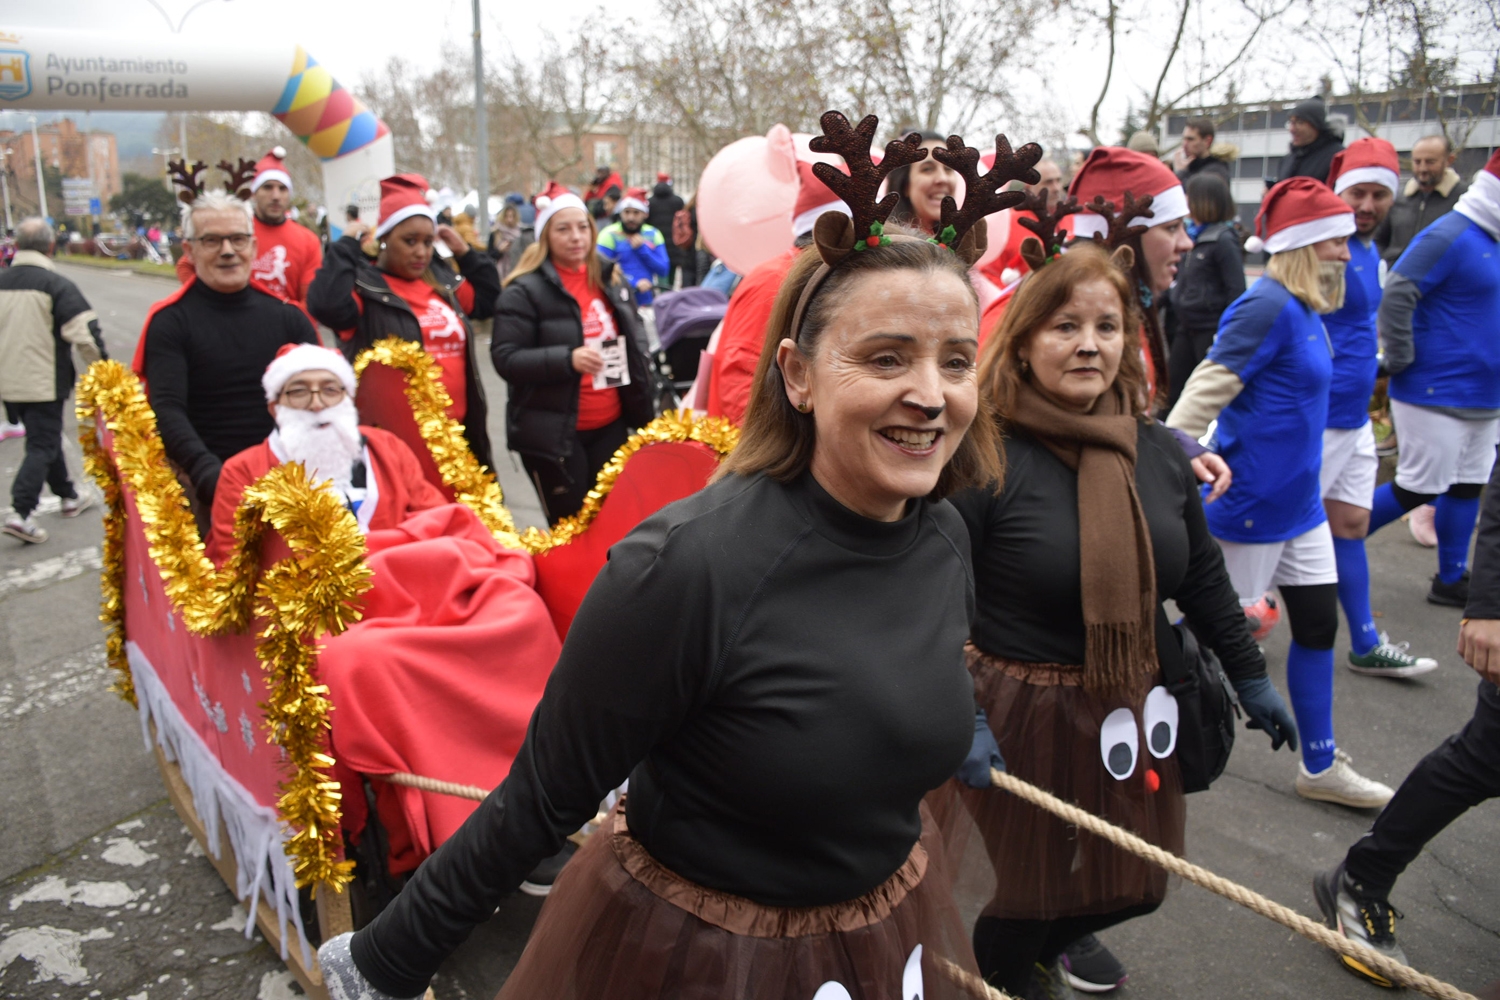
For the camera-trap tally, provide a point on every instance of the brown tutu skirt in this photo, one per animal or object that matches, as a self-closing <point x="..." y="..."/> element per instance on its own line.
<point x="619" y="925"/>
<point x="1051" y="734"/>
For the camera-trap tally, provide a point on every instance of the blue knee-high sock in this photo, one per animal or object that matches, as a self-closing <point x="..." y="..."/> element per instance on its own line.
<point x="1386" y="507"/>
<point x="1354" y="593"/>
<point x="1455" y="525"/>
<point x="1309" y="680"/>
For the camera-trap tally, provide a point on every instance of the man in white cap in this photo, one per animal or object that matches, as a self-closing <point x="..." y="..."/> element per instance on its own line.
<point x="638" y="249"/>
<point x="287" y="253"/>
<point x="310" y="393"/>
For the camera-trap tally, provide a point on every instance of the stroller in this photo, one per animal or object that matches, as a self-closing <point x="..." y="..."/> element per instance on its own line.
<point x="684" y="322"/>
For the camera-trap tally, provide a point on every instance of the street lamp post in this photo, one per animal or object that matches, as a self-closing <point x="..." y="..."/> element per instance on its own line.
<point x="5" y="186"/>
<point x="481" y="138"/>
<point x="41" y="188"/>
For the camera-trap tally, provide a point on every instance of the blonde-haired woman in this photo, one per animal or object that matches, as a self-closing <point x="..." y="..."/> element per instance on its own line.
<point x="1266" y="382"/>
<point x="561" y="329"/>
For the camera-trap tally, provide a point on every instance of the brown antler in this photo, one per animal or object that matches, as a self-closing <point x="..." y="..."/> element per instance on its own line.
<point x="1038" y="249"/>
<point x="861" y="184"/>
<point x="238" y="181"/>
<point x="189" y="180"/>
<point x="983" y="195"/>
<point x="1119" y="227"/>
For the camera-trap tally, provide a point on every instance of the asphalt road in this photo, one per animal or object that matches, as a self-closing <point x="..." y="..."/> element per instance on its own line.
<point x="103" y="894"/>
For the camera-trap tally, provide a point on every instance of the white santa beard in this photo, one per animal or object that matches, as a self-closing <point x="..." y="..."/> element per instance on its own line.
<point x="325" y="441"/>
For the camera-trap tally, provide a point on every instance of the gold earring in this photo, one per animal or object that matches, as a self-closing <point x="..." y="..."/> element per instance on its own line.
<point x="802" y="407"/>
<point x="1025" y="366"/>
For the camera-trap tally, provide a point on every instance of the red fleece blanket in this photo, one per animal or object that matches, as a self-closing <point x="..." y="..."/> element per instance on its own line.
<point x="441" y="675"/>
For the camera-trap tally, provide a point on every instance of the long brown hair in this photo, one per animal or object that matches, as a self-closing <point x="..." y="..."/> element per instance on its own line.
<point x="1043" y="293"/>
<point x="532" y="256"/>
<point x="778" y="439"/>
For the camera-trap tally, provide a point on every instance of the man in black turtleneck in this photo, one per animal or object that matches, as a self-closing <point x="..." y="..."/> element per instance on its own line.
<point x="206" y="347"/>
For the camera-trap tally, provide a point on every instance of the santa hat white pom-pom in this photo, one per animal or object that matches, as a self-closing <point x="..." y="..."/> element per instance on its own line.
<point x="279" y="152"/>
<point x="1254" y="244"/>
<point x="542" y="202"/>
<point x="432" y="196"/>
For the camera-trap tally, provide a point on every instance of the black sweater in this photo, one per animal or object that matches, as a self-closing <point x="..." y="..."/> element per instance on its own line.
<point x="782" y="680"/>
<point x="1026" y="556"/>
<point x="205" y="355"/>
<point x="1484" y="581"/>
<point x="1212" y="276"/>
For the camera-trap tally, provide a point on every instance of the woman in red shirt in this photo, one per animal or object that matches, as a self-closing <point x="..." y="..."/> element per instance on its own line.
<point x="567" y="341"/>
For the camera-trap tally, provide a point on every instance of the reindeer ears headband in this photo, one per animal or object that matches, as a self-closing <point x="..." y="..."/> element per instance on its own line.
<point x="190" y="181"/>
<point x="1048" y="241"/>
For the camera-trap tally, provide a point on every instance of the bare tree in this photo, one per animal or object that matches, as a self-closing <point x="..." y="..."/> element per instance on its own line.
<point x="429" y="114"/>
<point x="232" y="135"/>
<point x="556" y="101"/>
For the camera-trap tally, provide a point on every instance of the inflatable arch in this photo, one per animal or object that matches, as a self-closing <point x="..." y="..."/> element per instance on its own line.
<point x="50" y="69"/>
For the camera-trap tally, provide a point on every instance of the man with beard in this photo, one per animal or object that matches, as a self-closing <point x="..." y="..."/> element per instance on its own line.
<point x="638" y="249"/>
<point x="309" y="392"/>
<point x="1365" y="176"/>
<point x="1442" y="348"/>
<point x="287" y="253"/>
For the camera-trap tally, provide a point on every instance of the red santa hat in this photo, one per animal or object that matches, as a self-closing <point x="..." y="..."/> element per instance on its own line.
<point x="662" y="177"/>
<point x="402" y="197"/>
<point x="634" y="198"/>
<point x="272" y="167"/>
<point x="548" y="206"/>
<point x="1111" y="171"/>
<point x="1366" y="161"/>
<point x="294" y="359"/>
<point x="813" y="199"/>
<point x="1299" y="212"/>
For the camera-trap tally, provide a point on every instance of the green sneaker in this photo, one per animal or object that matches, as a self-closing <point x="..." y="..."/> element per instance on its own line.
<point x="1391" y="659"/>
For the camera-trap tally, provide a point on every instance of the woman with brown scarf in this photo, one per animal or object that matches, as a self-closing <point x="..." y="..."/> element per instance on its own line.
<point x="1099" y="521"/>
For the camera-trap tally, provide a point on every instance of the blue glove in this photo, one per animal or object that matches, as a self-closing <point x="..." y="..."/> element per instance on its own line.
<point x="1267" y="711"/>
<point x="984" y="753"/>
<point x="343" y="980"/>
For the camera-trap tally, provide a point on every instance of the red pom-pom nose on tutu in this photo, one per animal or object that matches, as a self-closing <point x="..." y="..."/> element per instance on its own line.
<point x="1153" y="780"/>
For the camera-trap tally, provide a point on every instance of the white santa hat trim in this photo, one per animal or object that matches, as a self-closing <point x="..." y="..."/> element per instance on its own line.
<point x="400" y="215"/>
<point x="546" y="209"/>
<point x="1481" y="203"/>
<point x="629" y="202"/>
<point x="1168" y="206"/>
<point x="271" y="175"/>
<point x="1366" y="175"/>
<point x="304" y="358"/>
<point x="803" y="224"/>
<point x="1305" y="234"/>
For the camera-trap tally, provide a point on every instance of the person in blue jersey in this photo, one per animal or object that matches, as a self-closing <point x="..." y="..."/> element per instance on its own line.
<point x="638" y="249"/>
<point x="1438" y="325"/>
<point x="1266" y="382"/>
<point x="1365" y="176"/>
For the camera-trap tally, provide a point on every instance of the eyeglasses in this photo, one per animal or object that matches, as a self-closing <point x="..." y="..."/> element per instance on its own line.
<point x="238" y="241"/>
<point x="299" y="397"/>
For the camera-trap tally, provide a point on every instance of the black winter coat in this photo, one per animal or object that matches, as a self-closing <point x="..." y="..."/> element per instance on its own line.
<point x="347" y="272"/>
<point x="1313" y="160"/>
<point x="1212" y="276"/>
<point x="662" y="208"/>
<point x="537" y="326"/>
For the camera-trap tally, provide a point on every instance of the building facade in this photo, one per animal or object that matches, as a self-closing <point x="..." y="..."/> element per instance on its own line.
<point x="73" y="153"/>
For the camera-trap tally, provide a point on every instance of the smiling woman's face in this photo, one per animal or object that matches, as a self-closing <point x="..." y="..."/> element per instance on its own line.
<point x="1075" y="354"/>
<point x="891" y="387"/>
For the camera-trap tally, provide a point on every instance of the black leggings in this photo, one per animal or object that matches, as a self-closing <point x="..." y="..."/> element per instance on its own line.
<point x="1458" y="491"/>
<point x="562" y="483"/>
<point x="1312" y="613"/>
<point x="1007" y="949"/>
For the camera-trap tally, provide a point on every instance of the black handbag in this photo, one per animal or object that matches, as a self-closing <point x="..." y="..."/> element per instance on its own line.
<point x="1206" y="704"/>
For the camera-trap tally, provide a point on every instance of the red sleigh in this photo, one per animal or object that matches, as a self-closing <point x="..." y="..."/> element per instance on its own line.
<point x="223" y="663"/>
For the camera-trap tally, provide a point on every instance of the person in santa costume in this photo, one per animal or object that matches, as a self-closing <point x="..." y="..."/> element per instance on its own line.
<point x="1009" y="266"/>
<point x="1365" y="175"/>
<point x="1442" y="347"/>
<point x="736" y="348"/>
<point x="1266" y="382"/>
<point x="287" y="254"/>
<point x="309" y="391"/>
<point x="204" y="347"/>
<point x="411" y="293"/>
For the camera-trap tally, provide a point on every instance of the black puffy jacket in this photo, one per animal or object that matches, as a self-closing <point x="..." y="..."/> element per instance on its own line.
<point x="537" y="327"/>
<point x="347" y="272"/>
<point x="1212" y="276"/>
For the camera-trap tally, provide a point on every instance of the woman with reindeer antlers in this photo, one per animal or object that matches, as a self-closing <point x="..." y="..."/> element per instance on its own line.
<point x="776" y="663"/>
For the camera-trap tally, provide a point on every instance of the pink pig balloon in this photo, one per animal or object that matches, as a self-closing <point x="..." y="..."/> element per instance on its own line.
<point x="745" y="199"/>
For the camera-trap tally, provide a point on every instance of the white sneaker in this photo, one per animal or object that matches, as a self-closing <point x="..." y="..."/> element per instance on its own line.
<point x="24" y="529"/>
<point x="77" y="505"/>
<point x="8" y="431"/>
<point x="1340" y="783"/>
<point x="1422" y="523"/>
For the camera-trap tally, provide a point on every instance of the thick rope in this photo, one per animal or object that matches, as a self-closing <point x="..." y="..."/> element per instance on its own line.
<point x="434" y="785"/>
<point x="968" y="982"/>
<point x="1392" y="970"/>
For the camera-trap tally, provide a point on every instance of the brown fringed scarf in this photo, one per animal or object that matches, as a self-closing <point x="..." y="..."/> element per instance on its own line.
<point x="1118" y="578"/>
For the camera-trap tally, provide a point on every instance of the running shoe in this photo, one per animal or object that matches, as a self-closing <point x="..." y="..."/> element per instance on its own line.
<point x="1359" y="916"/>
<point x="1449" y="595"/>
<point x="1050" y="982"/>
<point x="539" y="882"/>
<point x="73" y="506"/>
<point x="24" y="529"/>
<point x="1391" y="659"/>
<point x="1263" y="616"/>
<point x="1422" y="523"/>
<point x="8" y="431"/>
<point x="1091" y="967"/>
<point x="1341" y="784"/>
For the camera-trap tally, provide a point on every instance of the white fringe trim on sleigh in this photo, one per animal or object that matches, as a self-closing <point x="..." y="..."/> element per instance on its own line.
<point x="262" y="868"/>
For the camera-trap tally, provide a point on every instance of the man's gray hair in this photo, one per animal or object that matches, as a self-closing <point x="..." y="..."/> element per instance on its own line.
<point x="215" y="201"/>
<point x="35" y="234"/>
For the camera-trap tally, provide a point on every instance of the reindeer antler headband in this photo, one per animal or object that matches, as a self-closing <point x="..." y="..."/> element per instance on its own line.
<point x="190" y="181"/>
<point x="837" y="235"/>
<point x="240" y="177"/>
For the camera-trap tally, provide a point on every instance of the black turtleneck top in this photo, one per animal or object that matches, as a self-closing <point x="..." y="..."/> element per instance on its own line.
<point x="782" y="681"/>
<point x="205" y="355"/>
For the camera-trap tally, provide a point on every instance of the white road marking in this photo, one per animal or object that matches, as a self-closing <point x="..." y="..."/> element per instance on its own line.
<point x="45" y="572"/>
<point x="124" y="851"/>
<point x="54" y="952"/>
<point x="278" y="986"/>
<point x="56" y="890"/>
<point x="56" y="684"/>
<point x="234" y="922"/>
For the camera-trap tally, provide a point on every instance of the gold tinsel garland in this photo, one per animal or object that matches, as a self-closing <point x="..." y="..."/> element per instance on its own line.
<point x="303" y="597"/>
